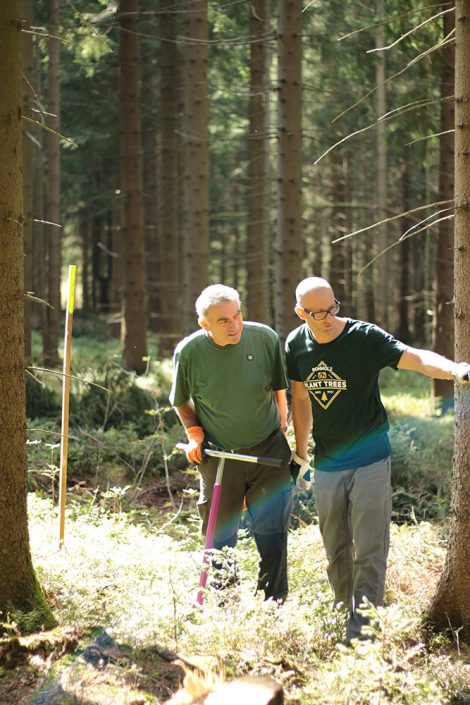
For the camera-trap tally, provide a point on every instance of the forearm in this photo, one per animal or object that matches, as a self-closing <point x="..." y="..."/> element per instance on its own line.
<point x="281" y="400"/>
<point x="302" y="420"/>
<point x="187" y="415"/>
<point x="428" y="363"/>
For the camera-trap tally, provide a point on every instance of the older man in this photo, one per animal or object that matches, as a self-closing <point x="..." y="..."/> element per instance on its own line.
<point x="334" y="363"/>
<point x="229" y="392"/>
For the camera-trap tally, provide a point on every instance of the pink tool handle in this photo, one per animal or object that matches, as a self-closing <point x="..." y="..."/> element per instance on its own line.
<point x="209" y="541"/>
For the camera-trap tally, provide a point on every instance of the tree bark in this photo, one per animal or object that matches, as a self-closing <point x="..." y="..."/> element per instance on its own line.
<point x="403" y="328"/>
<point x="28" y="169"/>
<point x="339" y="251"/>
<point x="196" y="240"/>
<point x="19" y="590"/>
<point x="258" y="284"/>
<point x="51" y="338"/>
<point x="134" y="338"/>
<point x="168" y="180"/>
<point x="383" y="264"/>
<point x="451" y="604"/>
<point x="443" y="332"/>
<point x="289" y="249"/>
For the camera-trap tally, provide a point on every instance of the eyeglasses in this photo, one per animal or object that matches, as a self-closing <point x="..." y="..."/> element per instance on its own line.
<point x="323" y="313"/>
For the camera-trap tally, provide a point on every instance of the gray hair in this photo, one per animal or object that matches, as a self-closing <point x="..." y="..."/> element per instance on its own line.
<point x="214" y="295"/>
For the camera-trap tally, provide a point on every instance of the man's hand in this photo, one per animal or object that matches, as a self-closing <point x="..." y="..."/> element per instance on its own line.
<point x="300" y="472"/>
<point x="194" y="452"/>
<point x="462" y="373"/>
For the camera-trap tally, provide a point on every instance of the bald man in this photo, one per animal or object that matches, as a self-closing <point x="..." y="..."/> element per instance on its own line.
<point x="334" y="364"/>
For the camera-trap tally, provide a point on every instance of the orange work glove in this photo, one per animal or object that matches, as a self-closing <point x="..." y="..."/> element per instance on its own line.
<point x="195" y="436"/>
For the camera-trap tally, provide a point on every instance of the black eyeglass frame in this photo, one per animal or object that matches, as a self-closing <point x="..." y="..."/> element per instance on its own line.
<point x="323" y="311"/>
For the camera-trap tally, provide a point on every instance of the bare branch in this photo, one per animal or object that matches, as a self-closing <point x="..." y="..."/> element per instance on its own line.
<point x="402" y="239"/>
<point x="391" y="19"/>
<point x="404" y="214"/>
<point x="416" y="225"/>
<point x="436" y="47"/>
<point x="407" y="34"/>
<point x="308" y="5"/>
<point x="388" y="116"/>
<point x="46" y="35"/>
<point x="427" y="137"/>
<point x="63" y="374"/>
<point x="49" y="129"/>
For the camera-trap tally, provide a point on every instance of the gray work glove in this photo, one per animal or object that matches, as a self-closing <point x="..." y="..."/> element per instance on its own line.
<point x="462" y="373"/>
<point x="300" y="472"/>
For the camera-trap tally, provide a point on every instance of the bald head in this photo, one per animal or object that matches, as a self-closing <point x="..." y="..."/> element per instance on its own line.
<point x="311" y="287"/>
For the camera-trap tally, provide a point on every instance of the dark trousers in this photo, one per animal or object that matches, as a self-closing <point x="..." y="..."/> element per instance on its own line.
<point x="268" y="495"/>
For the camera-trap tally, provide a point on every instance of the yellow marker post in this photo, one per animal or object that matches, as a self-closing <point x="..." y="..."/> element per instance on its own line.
<point x="64" y="436"/>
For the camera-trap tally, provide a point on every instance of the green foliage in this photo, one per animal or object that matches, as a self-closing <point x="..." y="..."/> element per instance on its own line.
<point x="41" y="400"/>
<point x="138" y="583"/>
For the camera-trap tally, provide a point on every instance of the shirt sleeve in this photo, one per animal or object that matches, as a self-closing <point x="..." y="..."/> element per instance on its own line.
<point x="279" y="371"/>
<point x="389" y="348"/>
<point x="179" y="393"/>
<point x="292" y="369"/>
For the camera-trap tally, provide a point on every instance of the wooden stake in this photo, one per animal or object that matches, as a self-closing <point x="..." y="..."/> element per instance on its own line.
<point x="64" y="437"/>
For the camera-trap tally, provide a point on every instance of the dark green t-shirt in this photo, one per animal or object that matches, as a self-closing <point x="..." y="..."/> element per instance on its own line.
<point x="350" y="423"/>
<point x="231" y="386"/>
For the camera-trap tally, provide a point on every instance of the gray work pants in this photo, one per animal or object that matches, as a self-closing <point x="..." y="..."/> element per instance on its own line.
<point x="354" y="511"/>
<point x="268" y="496"/>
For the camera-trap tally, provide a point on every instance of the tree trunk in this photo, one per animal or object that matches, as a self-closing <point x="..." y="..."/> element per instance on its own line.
<point x="443" y="332"/>
<point x="403" y="328"/>
<point x="196" y="242"/>
<point x="134" y="325"/>
<point x="51" y="338"/>
<point x="85" y="238"/>
<point x="19" y="590"/>
<point x="451" y="604"/>
<point x="152" y="246"/>
<point x="168" y="181"/>
<point x="257" y="250"/>
<point x="28" y="169"/>
<point x="383" y="264"/>
<point x="339" y="250"/>
<point x="289" y="250"/>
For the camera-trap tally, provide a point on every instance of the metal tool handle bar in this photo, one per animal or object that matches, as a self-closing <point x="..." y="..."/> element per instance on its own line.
<point x="262" y="460"/>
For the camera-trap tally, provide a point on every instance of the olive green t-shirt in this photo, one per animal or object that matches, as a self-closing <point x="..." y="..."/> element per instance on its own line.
<point x="350" y="423"/>
<point x="231" y="386"/>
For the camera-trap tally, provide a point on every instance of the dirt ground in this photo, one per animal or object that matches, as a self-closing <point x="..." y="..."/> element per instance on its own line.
<point x="66" y="667"/>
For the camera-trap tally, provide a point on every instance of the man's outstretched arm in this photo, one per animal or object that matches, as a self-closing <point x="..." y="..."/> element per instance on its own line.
<point x="431" y="364"/>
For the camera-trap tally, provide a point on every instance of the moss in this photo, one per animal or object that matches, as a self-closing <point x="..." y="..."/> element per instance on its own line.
<point x="31" y="614"/>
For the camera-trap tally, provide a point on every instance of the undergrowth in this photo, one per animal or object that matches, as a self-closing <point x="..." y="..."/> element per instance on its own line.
<point x="139" y="583"/>
<point x="132" y="570"/>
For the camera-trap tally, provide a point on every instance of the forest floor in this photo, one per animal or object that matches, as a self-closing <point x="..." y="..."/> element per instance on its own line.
<point x="68" y="667"/>
<point x="123" y="584"/>
<point x="74" y="666"/>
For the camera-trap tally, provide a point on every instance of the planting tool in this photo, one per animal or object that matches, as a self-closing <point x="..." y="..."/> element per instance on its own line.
<point x="222" y="456"/>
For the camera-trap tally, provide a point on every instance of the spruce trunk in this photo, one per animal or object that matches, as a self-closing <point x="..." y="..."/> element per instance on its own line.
<point x="19" y="590"/>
